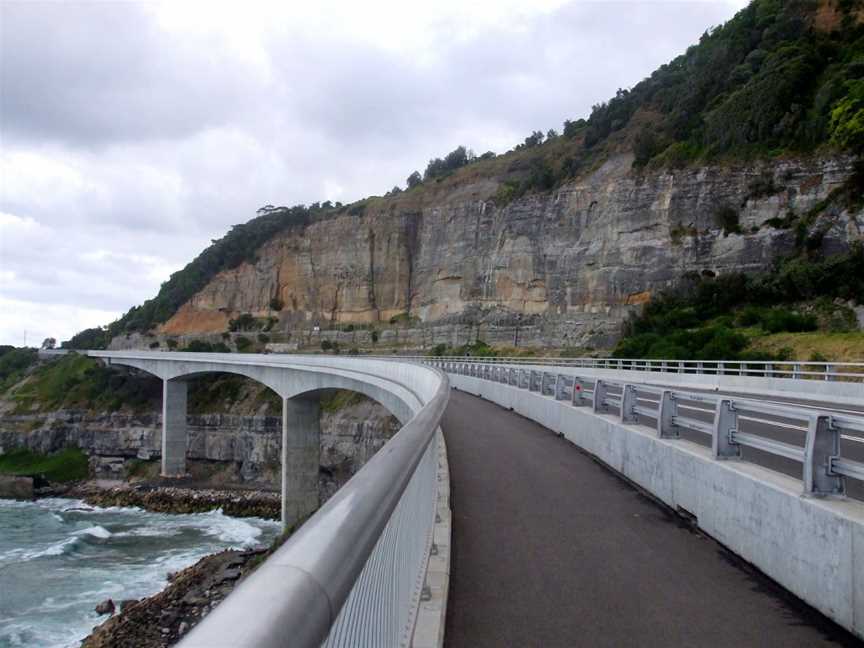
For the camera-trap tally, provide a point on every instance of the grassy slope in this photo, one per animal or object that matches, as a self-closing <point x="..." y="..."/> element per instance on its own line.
<point x="839" y="347"/>
<point x="67" y="465"/>
<point x="76" y="381"/>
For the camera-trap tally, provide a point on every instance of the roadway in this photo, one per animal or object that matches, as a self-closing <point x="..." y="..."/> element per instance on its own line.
<point x="552" y="549"/>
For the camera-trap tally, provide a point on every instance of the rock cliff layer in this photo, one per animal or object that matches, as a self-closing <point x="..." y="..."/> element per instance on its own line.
<point x="241" y="449"/>
<point x="572" y="262"/>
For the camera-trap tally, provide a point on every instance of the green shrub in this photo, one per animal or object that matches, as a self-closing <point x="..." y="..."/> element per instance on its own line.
<point x="14" y="363"/>
<point x="438" y="350"/>
<point x="326" y="345"/>
<point x="244" y="322"/>
<point x="244" y="344"/>
<point x="199" y="346"/>
<point x="778" y="320"/>
<point x="154" y="344"/>
<point x="92" y="338"/>
<point x="727" y="218"/>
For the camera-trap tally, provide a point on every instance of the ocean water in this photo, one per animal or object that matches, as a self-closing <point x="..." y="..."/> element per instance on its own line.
<point x="60" y="557"/>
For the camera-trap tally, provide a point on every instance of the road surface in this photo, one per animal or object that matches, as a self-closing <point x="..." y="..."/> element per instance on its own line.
<point x="551" y="549"/>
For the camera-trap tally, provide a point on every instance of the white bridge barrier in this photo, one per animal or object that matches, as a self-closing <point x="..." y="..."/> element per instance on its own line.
<point x="355" y="572"/>
<point x="801" y="532"/>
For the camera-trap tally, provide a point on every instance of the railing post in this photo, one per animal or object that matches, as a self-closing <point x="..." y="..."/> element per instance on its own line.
<point x="628" y="404"/>
<point x="578" y="391"/>
<point x="666" y="428"/>
<point x="700" y="367"/>
<point x="725" y="425"/>
<point x="560" y="384"/>
<point x="599" y="400"/>
<point x="796" y="370"/>
<point x="829" y="369"/>
<point x="822" y="445"/>
<point x="768" y="370"/>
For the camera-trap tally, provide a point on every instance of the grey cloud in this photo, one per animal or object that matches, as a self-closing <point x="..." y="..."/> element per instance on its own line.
<point x="92" y="73"/>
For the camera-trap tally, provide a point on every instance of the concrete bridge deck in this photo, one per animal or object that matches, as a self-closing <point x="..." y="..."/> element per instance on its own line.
<point x="552" y="549"/>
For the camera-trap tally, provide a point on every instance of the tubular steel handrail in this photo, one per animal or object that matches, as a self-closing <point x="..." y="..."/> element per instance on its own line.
<point x="795" y="369"/>
<point x="824" y="469"/>
<point x="345" y="557"/>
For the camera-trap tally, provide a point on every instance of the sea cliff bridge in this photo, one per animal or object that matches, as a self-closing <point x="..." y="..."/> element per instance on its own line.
<point x="568" y="481"/>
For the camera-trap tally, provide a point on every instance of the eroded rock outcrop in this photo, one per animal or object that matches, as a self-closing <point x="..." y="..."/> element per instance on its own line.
<point x="223" y="448"/>
<point x="572" y="262"/>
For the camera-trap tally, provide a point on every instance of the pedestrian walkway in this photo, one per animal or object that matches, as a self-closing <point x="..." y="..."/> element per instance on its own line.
<point x="552" y="549"/>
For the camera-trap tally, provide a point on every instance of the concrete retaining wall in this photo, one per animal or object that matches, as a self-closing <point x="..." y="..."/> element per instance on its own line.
<point x="812" y="547"/>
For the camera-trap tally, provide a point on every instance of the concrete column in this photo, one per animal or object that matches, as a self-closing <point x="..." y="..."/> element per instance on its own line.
<point x="174" y="428"/>
<point x="301" y="449"/>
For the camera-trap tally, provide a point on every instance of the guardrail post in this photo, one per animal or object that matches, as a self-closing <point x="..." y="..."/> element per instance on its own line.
<point x="628" y="404"/>
<point x="829" y="369"/>
<point x="796" y="371"/>
<point x="822" y="445"/>
<point x="599" y="400"/>
<point x="666" y="428"/>
<point x="578" y="392"/>
<point x="725" y="426"/>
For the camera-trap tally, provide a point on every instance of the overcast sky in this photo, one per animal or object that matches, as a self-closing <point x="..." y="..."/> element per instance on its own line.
<point x="131" y="134"/>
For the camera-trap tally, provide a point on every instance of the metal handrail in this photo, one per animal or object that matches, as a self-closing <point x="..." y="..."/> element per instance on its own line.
<point x="794" y="369"/>
<point x="301" y="588"/>
<point x="824" y="469"/>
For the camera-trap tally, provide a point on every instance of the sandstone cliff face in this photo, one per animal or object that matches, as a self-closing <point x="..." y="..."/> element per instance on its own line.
<point x="572" y="262"/>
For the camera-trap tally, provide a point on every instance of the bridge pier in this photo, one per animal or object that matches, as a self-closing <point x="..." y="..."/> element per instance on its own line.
<point x="174" y="433"/>
<point x="300" y="458"/>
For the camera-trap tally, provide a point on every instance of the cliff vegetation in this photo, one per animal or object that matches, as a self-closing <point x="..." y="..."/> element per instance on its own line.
<point x="741" y="317"/>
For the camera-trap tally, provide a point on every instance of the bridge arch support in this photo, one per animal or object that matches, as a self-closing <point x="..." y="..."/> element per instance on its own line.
<point x="299" y="386"/>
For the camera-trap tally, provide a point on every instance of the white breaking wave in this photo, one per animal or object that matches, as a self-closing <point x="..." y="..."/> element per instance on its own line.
<point x="96" y="532"/>
<point x="136" y="550"/>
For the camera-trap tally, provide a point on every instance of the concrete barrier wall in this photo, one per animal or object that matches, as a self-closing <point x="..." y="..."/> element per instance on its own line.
<point x="812" y="547"/>
<point x="850" y="393"/>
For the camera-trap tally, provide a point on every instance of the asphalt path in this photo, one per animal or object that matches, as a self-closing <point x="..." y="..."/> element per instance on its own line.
<point x="552" y="549"/>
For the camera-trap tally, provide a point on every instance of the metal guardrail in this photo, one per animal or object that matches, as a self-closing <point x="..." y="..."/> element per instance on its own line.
<point x="349" y="576"/>
<point x="824" y="470"/>
<point x="798" y="370"/>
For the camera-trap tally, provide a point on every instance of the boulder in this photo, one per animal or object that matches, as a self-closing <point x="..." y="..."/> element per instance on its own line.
<point x="105" y="607"/>
<point x="15" y="487"/>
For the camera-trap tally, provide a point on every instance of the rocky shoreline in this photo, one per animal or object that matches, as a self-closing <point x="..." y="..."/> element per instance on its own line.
<point x="163" y="619"/>
<point x="175" y="499"/>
